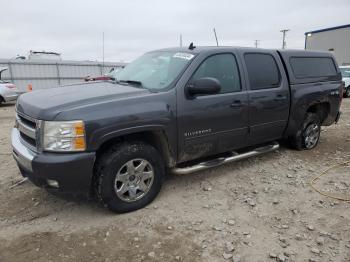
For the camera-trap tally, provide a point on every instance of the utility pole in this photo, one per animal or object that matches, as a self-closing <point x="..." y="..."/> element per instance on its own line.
<point x="103" y="52"/>
<point x="256" y="43"/>
<point x="216" y="37"/>
<point x="284" y="32"/>
<point x="180" y="40"/>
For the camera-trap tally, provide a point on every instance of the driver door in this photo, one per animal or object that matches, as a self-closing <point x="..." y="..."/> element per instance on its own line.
<point x="216" y="123"/>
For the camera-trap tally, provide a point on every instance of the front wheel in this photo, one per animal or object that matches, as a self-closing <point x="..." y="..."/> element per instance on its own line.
<point x="347" y="92"/>
<point x="129" y="176"/>
<point x="308" y="135"/>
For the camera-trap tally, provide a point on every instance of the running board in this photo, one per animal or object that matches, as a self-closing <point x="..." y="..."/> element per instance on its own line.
<point x="223" y="160"/>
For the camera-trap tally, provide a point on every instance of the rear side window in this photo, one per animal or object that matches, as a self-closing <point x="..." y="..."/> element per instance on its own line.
<point x="308" y="67"/>
<point x="262" y="71"/>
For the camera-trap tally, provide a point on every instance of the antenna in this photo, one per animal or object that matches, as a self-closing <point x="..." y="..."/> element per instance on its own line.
<point x="180" y="40"/>
<point x="284" y="44"/>
<point x="191" y="47"/>
<point x="216" y="37"/>
<point x="256" y="43"/>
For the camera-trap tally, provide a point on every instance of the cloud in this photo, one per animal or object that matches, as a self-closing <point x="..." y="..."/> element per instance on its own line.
<point x="74" y="28"/>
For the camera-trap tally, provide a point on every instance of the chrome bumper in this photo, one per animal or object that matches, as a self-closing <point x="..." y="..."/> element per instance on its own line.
<point x="21" y="154"/>
<point x="11" y="97"/>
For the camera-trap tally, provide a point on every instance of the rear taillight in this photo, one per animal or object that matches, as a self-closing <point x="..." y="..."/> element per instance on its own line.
<point x="11" y="86"/>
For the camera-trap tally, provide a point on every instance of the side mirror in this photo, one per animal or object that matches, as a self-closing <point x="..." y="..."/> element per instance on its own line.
<point x="204" y="86"/>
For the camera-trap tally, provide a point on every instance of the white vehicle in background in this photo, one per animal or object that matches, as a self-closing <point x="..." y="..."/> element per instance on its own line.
<point x="43" y="55"/>
<point x="345" y="72"/>
<point x="8" y="91"/>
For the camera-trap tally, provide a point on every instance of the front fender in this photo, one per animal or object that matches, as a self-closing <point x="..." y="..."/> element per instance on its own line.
<point x="98" y="140"/>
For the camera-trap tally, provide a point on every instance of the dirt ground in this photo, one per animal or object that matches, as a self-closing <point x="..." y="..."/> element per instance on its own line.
<point x="259" y="209"/>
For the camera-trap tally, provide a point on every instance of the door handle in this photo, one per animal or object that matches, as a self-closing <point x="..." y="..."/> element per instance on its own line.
<point x="236" y="104"/>
<point x="280" y="98"/>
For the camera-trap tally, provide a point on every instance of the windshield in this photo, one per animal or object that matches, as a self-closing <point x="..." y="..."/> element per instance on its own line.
<point x="155" y="70"/>
<point x="345" y="72"/>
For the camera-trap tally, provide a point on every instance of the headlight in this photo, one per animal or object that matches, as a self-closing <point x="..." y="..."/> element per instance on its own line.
<point x="62" y="136"/>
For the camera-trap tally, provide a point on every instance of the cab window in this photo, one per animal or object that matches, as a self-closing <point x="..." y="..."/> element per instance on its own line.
<point x="262" y="71"/>
<point x="224" y="68"/>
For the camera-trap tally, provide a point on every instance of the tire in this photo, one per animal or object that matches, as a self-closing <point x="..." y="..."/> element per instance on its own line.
<point x="308" y="135"/>
<point x="347" y="92"/>
<point x="129" y="176"/>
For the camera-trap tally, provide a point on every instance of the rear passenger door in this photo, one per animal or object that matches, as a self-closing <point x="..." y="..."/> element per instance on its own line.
<point x="269" y="97"/>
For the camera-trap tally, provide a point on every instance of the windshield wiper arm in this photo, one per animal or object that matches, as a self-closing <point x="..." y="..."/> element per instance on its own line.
<point x="131" y="82"/>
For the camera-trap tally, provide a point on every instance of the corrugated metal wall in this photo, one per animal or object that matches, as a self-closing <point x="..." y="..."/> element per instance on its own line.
<point x="337" y="41"/>
<point x="42" y="74"/>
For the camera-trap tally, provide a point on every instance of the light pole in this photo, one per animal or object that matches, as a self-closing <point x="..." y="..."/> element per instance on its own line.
<point x="256" y="43"/>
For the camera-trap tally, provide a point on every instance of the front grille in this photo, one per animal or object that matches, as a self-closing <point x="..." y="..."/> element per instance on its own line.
<point x="27" y="127"/>
<point x="28" y="122"/>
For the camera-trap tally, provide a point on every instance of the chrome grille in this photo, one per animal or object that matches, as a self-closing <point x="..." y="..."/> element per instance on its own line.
<point x="27" y="127"/>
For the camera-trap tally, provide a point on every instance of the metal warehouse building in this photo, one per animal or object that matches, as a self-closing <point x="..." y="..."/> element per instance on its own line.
<point x="334" y="39"/>
<point x="40" y="74"/>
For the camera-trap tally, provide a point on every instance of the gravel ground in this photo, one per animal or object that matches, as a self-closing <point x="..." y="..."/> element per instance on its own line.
<point x="259" y="209"/>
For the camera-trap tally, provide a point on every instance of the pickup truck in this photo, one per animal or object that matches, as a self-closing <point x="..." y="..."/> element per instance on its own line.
<point x="176" y="110"/>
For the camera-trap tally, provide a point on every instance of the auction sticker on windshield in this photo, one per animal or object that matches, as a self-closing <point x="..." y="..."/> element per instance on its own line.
<point x="186" y="56"/>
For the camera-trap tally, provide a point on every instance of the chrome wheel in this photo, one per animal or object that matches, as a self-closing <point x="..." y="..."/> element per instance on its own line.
<point x="133" y="180"/>
<point x="311" y="135"/>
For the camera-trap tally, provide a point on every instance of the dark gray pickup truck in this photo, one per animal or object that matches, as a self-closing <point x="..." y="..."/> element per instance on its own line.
<point x="178" y="110"/>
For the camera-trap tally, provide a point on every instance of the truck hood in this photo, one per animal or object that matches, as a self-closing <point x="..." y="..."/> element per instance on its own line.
<point x="47" y="104"/>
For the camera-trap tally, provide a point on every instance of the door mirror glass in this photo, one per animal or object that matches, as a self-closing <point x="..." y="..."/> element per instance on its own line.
<point x="204" y="86"/>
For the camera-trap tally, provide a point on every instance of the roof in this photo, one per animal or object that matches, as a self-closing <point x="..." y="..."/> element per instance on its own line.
<point x="328" y="29"/>
<point x="200" y="49"/>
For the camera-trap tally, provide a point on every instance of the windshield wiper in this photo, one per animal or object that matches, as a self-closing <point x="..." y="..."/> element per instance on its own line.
<point x="131" y="82"/>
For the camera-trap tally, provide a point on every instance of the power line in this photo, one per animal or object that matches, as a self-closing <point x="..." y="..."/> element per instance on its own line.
<point x="284" y="32"/>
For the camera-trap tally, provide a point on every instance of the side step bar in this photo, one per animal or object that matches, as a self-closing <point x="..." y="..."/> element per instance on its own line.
<point x="223" y="160"/>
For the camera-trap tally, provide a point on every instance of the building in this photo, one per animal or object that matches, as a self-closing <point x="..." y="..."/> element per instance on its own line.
<point x="34" y="74"/>
<point x="334" y="39"/>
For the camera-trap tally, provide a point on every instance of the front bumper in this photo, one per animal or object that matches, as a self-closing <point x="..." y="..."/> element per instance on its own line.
<point x="10" y="96"/>
<point x="72" y="171"/>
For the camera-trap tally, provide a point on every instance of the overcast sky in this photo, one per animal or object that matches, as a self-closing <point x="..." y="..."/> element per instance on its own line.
<point x="74" y="28"/>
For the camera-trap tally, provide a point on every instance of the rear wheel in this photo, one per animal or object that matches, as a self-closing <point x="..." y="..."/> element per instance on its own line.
<point x="308" y="135"/>
<point x="2" y="100"/>
<point x="129" y="176"/>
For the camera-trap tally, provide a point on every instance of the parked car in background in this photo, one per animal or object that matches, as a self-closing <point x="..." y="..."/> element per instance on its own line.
<point x="345" y="72"/>
<point x="8" y="91"/>
<point x="98" y="78"/>
<point x="43" y="55"/>
<point x="111" y="75"/>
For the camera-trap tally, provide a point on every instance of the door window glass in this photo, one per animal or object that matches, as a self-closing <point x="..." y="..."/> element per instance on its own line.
<point x="262" y="71"/>
<point x="224" y="68"/>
